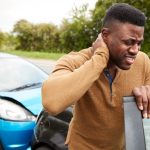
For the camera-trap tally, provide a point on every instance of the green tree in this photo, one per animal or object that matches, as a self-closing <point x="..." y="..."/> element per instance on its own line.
<point x="2" y="39"/>
<point x="36" y="37"/>
<point x="23" y="30"/>
<point x="7" y="41"/>
<point x="44" y="37"/>
<point x="75" y="33"/>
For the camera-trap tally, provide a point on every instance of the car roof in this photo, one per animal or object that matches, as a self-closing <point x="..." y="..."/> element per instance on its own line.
<point x="6" y="55"/>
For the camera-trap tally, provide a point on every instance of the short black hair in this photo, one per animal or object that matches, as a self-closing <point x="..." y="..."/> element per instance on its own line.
<point x="124" y="13"/>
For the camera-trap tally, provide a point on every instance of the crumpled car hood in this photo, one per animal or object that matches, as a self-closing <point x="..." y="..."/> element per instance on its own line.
<point x="31" y="98"/>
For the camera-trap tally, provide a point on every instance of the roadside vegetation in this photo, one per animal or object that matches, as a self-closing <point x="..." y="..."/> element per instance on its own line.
<point x="47" y="40"/>
<point x="36" y="55"/>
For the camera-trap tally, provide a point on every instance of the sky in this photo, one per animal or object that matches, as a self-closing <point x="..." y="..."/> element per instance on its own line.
<point x="37" y="11"/>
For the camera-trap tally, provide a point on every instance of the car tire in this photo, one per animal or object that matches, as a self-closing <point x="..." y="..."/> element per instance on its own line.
<point x="43" y="148"/>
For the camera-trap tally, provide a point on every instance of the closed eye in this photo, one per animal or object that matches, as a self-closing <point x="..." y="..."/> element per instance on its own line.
<point x="132" y="42"/>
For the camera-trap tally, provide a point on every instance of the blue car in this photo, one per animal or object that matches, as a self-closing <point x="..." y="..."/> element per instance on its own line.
<point x="20" y="101"/>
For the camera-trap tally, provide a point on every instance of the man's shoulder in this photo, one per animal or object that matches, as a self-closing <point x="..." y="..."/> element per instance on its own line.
<point x="141" y="55"/>
<point x="87" y="52"/>
<point x="83" y="54"/>
<point x="74" y="59"/>
<point x="142" y="59"/>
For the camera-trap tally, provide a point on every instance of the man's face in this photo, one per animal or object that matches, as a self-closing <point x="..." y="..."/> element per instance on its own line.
<point x="124" y="42"/>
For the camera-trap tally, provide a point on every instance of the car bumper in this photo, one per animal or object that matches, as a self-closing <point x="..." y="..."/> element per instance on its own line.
<point x="16" y="135"/>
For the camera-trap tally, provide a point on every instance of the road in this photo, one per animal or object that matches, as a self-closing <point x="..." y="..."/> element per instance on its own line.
<point x="46" y="65"/>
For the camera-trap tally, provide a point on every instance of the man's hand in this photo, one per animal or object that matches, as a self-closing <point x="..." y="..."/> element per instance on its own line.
<point x="142" y="95"/>
<point x="99" y="43"/>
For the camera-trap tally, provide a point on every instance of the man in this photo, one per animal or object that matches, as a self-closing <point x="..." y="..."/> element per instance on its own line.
<point x="95" y="80"/>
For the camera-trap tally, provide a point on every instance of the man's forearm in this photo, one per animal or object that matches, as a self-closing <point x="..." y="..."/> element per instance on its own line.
<point x="61" y="91"/>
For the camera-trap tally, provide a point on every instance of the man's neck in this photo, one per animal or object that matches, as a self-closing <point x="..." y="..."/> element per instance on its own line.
<point x="112" y="69"/>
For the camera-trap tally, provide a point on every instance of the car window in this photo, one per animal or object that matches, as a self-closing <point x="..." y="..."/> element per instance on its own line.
<point x="16" y="72"/>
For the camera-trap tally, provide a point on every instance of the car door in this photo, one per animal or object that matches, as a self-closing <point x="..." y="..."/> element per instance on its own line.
<point x="137" y="130"/>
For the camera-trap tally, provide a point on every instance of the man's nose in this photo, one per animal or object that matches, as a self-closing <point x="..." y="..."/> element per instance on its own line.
<point x="134" y="49"/>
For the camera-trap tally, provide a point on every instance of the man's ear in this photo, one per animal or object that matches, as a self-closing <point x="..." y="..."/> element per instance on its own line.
<point x="105" y="33"/>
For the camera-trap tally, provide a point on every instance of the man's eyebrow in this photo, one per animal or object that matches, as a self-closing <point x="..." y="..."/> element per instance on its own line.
<point x="138" y="41"/>
<point x="134" y="39"/>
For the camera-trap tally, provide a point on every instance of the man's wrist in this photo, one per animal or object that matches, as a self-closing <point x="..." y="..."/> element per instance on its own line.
<point x="102" y="51"/>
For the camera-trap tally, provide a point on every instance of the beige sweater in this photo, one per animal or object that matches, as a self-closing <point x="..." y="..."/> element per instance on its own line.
<point x="78" y="78"/>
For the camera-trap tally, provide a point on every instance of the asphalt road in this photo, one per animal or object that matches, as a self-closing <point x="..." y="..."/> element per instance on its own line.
<point x="46" y="65"/>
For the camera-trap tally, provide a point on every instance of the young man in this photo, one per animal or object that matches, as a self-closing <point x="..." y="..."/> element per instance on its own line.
<point x="95" y="80"/>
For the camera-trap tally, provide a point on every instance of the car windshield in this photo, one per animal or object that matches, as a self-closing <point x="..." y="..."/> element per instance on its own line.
<point x="16" y="72"/>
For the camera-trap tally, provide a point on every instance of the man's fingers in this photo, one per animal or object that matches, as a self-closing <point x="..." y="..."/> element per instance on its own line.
<point x="141" y="100"/>
<point x="98" y="43"/>
<point x="142" y="95"/>
<point x="100" y="35"/>
<point x="144" y="100"/>
<point x="145" y="106"/>
<point x="148" y="110"/>
<point x="148" y="98"/>
<point x="138" y="95"/>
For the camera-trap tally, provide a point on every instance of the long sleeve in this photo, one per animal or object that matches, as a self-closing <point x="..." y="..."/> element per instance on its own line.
<point x="65" y="86"/>
<point x="147" y="70"/>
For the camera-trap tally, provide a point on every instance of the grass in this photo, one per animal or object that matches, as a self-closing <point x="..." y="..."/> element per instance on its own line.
<point x="36" y="55"/>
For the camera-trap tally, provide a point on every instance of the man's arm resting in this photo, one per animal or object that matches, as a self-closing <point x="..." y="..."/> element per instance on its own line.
<point x="63" y="88"/>
<point x="142" y="95"/>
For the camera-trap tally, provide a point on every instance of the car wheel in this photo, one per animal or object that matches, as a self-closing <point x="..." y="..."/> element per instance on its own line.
<point x="43" y="148"/>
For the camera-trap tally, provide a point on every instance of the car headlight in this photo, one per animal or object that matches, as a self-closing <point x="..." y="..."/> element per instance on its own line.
<point x="14" y="112"/>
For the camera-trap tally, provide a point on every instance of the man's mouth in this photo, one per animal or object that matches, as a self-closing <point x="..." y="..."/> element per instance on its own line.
<point x="130" y="59"/>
